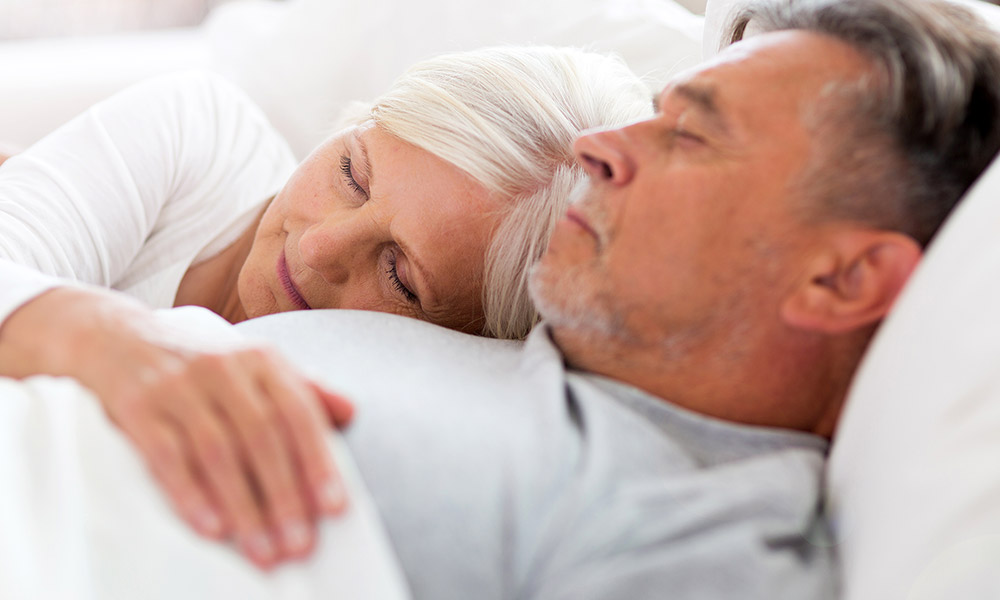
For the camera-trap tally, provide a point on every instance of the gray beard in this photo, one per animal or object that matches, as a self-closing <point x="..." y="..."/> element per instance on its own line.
<point x="563" y="303"/>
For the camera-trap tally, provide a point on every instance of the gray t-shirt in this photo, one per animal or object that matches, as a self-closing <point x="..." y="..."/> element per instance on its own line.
<point x="500" y="474"/>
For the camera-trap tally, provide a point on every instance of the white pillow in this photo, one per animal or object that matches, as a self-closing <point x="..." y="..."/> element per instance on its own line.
<point x="717" y="14"/>
<point x="305" y="60"/>
<point x="915" y="469"/>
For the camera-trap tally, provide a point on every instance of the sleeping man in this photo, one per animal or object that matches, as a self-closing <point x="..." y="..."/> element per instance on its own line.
<point x="706" y="302"/>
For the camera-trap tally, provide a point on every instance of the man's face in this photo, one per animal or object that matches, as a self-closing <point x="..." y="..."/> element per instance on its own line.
<point x="690" y="233"/>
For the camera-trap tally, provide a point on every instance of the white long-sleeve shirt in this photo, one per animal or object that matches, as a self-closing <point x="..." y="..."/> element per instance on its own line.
<point x="137" y="189"/>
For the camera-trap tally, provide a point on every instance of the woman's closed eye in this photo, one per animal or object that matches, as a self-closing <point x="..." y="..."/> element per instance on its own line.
<point x="390" y="266"/>
<point x="397" y="283"/>
<point x="348" y="173"/>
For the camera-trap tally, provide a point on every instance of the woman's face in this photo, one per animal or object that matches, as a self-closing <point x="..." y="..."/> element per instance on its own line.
<point x="370" y="222"/>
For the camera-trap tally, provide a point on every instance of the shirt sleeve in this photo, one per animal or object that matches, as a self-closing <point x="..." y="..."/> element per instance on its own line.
<point x="80" y="204"/>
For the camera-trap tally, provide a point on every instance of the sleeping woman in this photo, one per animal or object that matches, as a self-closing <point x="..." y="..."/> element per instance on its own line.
<point x="432" y="203"/>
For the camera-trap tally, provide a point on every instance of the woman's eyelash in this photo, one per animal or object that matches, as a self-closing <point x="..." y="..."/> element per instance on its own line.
<point x="396" y="282"/>
<point x="345" y="168"/>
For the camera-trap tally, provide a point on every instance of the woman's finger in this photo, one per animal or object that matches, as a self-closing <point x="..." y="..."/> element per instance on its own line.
<point x="338" y="409"/>
<point x="171" y="466"/>
<point x="216" y="450"/>
<point x="270" y="455"/>
<point x="300" y="411"/>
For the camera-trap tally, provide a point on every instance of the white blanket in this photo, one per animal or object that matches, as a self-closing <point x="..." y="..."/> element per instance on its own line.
<point x="81" y="518"/>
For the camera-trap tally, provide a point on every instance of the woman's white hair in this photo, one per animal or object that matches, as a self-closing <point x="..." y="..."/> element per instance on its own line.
<point x="508" y="117"/>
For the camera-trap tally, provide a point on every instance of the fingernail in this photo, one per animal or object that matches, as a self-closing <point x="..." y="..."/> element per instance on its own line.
<point x="259" y="546"/>
<point x="332" y="496"/>
<point x="295" y="536"/>
<point x="208" y="521"/>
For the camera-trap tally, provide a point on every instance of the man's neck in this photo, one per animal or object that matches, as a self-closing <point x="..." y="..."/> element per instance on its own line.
<point x="793" y="387"/>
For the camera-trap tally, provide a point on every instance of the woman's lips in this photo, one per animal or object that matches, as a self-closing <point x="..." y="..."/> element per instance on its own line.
<point x="289" y="286"/>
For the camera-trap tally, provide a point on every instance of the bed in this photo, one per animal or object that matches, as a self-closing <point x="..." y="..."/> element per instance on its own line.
<point x="913" y="482"/>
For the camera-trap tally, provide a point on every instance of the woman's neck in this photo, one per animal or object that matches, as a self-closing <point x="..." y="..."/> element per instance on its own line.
<point x="214" y="283"/>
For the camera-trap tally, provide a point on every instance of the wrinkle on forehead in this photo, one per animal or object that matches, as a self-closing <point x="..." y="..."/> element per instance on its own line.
<point x="805" y="69"/>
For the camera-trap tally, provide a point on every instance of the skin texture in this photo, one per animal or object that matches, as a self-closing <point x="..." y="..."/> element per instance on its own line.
<point x="689" y="267"/>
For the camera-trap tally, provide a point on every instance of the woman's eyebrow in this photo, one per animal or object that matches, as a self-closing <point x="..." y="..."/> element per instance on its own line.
<point x="366" y="165"/>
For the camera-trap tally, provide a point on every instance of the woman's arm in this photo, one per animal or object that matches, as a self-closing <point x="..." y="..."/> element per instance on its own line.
<point x="232" y="432"/>
<point x="102" y="199"/>
<point x="229" y="429"/>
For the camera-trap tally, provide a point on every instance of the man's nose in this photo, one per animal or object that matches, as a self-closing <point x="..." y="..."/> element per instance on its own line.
<point x="333" y="246"/>
<point x="604" y="155"/>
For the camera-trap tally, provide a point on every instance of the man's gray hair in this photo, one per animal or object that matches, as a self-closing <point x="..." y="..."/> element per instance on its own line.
<point x="914" y="135"/>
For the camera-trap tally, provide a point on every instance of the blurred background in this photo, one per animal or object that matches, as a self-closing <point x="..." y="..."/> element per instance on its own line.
<point x="302" y="61"/>
<point x="20" y="19"/>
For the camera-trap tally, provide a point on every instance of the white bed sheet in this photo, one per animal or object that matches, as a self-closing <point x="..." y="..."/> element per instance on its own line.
<point x="81" y="518"/>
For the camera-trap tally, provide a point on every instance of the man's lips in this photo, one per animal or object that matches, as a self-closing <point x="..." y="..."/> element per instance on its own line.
<point x="576" y="218"/>
<point x="289" y="286"/>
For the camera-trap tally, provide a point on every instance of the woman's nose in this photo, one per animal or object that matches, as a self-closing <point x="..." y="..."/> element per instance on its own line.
<point x="333" y="246"/>
<point x="604" y="155"/>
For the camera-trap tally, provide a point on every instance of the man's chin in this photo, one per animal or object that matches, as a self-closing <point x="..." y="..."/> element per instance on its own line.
<point x="565" y="302"/>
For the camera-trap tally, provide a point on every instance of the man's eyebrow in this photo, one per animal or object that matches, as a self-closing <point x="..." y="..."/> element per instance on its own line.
<point x="705" y="99"/>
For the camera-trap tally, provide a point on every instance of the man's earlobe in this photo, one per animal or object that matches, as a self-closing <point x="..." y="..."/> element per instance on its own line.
<point x="853" y="283"/>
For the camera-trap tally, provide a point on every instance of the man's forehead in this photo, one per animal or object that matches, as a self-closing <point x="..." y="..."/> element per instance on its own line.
<point x="778" y="54"/>
<point x="760" y="82"/>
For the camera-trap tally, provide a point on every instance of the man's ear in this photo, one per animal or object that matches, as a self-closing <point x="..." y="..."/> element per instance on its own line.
<point x="852" y="282"/>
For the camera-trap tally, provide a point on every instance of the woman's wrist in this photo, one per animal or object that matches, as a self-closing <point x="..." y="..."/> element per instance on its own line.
<point x="61" y="330"/>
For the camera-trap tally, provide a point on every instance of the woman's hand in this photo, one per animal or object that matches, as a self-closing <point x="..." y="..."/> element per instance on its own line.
<point x="231" y="431"/>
